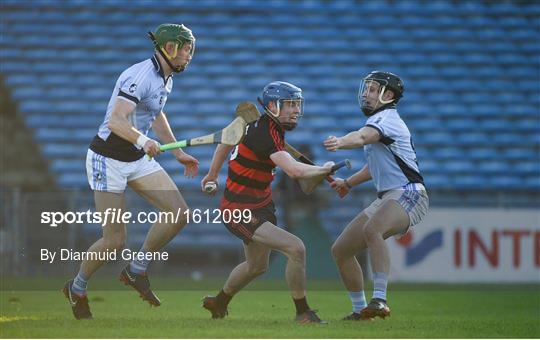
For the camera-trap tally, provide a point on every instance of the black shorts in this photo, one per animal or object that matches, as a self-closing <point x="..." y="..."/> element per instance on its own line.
<point x="244" y="230"/>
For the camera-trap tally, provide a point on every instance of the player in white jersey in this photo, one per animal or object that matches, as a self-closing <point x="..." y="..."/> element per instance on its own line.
<point x="401" y="201"/>
<point x="116" y="158"/>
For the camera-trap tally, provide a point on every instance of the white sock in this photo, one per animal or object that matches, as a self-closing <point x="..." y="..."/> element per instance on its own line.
<point x="79" y="284"/>
<point x="358" y="300"/>
<point x="139" y="266"/>
<point x="380" y="281"/>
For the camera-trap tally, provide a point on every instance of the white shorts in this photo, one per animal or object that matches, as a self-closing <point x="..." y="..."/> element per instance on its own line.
<point x="412" y="197"/>
<point x="109" y="175"/>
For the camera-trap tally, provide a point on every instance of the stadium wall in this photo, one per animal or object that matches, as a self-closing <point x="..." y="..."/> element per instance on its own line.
<point x="470" y="245"/>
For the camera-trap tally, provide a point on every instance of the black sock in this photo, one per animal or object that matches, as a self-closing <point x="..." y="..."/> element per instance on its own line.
<point x="223" y="299"/>
<point x="301" y="305"/>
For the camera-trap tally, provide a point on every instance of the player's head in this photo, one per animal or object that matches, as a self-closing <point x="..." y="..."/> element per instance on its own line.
<point x="283" y="102"/>
<point x="379" y="89"/>
<point x="175" y="43"/>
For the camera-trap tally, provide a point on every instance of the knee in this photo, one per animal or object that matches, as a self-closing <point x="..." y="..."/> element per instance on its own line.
<point x="180" y="215"/>
<point x="341" y="253"/>
<point x="181" y="222"/>
<point x="115" y="242"/>
<point x="336" y="252"/>
<point x="259" y="269"/>
<point x="297" y="252"/>
<point x="372" y="233"/>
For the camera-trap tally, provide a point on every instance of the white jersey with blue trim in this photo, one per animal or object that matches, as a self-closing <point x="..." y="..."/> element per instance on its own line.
<point x="144" y="85"/>
<point x="392" y="160"/>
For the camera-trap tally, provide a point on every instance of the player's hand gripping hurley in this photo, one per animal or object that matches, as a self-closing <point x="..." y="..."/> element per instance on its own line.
<point x="309" y="184"/>
<point x="250" y="113"/>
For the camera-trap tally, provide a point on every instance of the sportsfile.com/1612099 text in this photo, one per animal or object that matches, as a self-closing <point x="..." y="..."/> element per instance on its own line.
<point x="113" y="215"/>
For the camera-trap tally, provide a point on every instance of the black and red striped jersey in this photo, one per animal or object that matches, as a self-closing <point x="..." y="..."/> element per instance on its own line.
<point x="251" y="171"/>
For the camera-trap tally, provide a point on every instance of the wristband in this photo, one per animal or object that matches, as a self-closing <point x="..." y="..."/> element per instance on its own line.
<point x="141" y="140"/>
<point x="347" y="184"/>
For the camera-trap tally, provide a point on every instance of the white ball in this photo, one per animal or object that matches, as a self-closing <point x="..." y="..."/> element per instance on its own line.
<point x="210" y="187"/>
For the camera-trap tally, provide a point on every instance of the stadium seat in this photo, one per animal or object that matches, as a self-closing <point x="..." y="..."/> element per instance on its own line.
<point x="470" y="181"/>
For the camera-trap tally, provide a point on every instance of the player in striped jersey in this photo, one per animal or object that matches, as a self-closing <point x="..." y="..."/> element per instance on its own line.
<point x="401" y="201"/>
<point x="251" y="171"/>
<point x="117" y="158"/>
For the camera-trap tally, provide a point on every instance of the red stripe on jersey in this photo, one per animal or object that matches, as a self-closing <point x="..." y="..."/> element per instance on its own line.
<point x="251" y="174"/>
<point x="240" y="189"/>
<point x="280" y="144"/>
<point x="240" y="229"/>
<point x="258" y="175"/>
<point x="243" y="230"/>
<point x="246" y="152"/>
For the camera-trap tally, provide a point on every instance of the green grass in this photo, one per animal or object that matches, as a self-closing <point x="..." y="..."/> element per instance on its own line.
<point x="422" y="311"/>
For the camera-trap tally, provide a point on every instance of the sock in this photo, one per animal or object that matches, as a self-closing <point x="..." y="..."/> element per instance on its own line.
<point x="223" y="299"/>
<point x="301" y="305"/>
<point x="79" y="284"/>
<point x="380" y="281"/>
<point x="138" y="266"/>
<point x="358" y="300"/>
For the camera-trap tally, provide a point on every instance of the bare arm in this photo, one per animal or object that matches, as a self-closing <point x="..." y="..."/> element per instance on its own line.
<point x="119" y="123"/>
<point x="220" y="155"/>
<point x="355" y="139"/>
<point x="163" y="130"/>
<point x="295" y="169"/>
<point x="344" y="185"/>
<point x="359" y="177"/>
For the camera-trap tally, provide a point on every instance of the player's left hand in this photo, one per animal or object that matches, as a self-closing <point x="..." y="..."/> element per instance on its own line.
<point x="331" y="143"/>
<point x="206" y="187"/>
<point x="190" y="163"/>
<point x="340" y="187"/>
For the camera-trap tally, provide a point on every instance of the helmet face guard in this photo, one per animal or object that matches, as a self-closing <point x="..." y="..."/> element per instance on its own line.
<point x="384" y="81"/>
<point x="285" y="95"/>
<point x="177" y="34"/>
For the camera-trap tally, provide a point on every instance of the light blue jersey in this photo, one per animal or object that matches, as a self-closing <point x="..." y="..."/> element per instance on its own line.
<point x="392" y="161"/>
<point x="144" y="85"/>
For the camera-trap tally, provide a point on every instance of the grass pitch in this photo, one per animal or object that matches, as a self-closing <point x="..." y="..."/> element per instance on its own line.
<point x="418" y="311"/>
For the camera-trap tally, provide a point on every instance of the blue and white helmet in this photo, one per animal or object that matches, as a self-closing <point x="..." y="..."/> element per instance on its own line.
<point x="280" y="92"/>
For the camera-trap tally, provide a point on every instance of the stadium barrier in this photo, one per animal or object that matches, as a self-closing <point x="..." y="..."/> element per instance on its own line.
<point x="470" y="245"/>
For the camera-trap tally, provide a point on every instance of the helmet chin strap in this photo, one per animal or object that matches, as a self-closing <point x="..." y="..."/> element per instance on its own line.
<point x="368" y="112"/>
